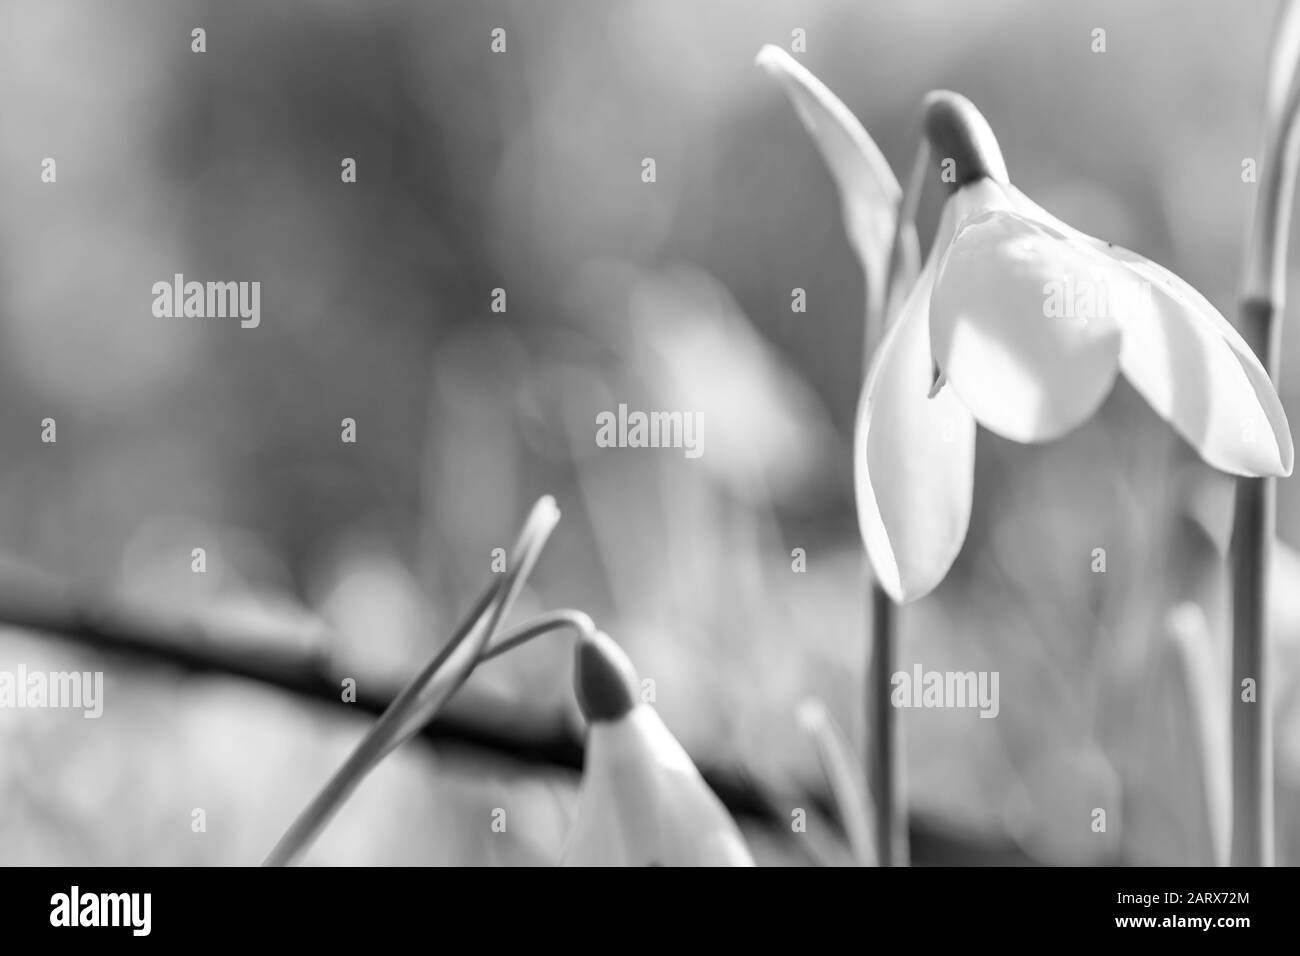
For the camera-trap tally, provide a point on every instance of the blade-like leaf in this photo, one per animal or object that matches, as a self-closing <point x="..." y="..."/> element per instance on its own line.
<point x="1192" y="650"/>
<point x="869" y="191"/>
<point x="422" y="699"/>
<point x="1179" y="804"/>
<point x="846" y="779"/>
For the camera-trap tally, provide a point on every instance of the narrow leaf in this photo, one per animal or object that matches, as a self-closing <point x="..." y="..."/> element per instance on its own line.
<point x="869" y="191"/>
<point x="424" y="697"/>
<point x="845" y="777"/>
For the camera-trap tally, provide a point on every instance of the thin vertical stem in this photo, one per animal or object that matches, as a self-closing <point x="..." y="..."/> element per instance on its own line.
<point x="884" y="736"/>
<point x="1252" y="724"/>
<point x="884" y="731"/>
<point x="1254" y="517"/>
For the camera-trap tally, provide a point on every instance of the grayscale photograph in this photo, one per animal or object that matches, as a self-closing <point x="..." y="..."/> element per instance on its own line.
<point x="649" y="433"/>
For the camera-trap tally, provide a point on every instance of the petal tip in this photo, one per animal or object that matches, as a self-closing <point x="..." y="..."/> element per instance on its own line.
<point x="770" y="57"/>
<point x="1285" y="467"/>
<point x="908" y="592"/>
<point x="1285" y="444"/>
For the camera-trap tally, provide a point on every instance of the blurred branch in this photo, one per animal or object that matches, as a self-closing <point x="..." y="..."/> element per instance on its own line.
<point x="201" y="648"/>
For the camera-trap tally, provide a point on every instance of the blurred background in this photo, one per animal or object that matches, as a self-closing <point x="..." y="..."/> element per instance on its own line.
<point x="522" y="170"/>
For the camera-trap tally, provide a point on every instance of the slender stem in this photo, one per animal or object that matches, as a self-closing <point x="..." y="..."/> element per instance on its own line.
<point x="349" y="776"/>
<point x="953" y="130"/>
<point x="427" y="693"/>
<point x="1252" y="725"/>
<point x="1254" y="513"/>
<point x="884" y="732"/>
<point x="542" y="624"/>
<point x="373" y="747"/>
<point x="884" y="737"/>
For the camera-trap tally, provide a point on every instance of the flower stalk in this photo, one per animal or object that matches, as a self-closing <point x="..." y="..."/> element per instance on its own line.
<point x="1254" y="517"/>
<point x="879" y="222"/>
<point x="885" y="781"/>
<point x="424" y="697"/>
<point x="954" y="130"/>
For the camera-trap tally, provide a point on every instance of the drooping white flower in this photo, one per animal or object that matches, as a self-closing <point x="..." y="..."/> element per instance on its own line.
<point x="1020" y="323"/>
<point x="642" y="801"/>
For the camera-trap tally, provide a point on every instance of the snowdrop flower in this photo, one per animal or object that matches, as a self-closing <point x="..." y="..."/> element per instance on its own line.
<point x="1021" y="324"/>
<point x="642" y="802"/>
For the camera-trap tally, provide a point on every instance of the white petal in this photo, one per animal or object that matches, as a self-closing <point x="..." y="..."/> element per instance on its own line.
<point x="1016" y="325"/>
<point x="1199" y="374"/>
<point x="596" y="838"/>
<point x="914" y="459"/>
<point x="1193" y="367"/>
<point x="643" y="803"/>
